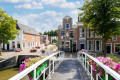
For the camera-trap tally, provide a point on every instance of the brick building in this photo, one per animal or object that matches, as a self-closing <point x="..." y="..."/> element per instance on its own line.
<point x="27" y="38"/>
<point x="75" y="37"/>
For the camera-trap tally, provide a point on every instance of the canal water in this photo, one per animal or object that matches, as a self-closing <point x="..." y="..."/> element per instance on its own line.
<point x="8" y="73"/>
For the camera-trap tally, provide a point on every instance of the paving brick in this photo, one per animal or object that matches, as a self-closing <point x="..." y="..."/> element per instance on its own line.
<point x="70" y="70"/>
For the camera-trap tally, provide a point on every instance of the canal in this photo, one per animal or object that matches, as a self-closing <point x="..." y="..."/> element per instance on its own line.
<point x="8" y="73"/>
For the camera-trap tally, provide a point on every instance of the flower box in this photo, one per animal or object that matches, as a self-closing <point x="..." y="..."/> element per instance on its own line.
<point x="38" y="71"/>
<point x="17" y="50"/>
<point x="109" y="77"/>
<point x="33" y="50"/>
<point x="37" y="47"/>
<point x="108" y="62"/>
<point x="43" y="50"/>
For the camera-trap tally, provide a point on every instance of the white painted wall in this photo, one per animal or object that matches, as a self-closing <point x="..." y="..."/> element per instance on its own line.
<point x="15" y="40"/>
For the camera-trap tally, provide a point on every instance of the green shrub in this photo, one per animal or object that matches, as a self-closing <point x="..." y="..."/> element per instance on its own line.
<point x="114" y="58"/>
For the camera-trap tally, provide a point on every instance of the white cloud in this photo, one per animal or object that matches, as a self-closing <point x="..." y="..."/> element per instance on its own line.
<point x="70" y="4"/>
<point x="16" y="1"/>
<point x="61" y="3"/>
<point x="75" y="12"/>
<point x="34" y="5"/>
<point x="55" y="3"/>
<point x="48" y="20"/>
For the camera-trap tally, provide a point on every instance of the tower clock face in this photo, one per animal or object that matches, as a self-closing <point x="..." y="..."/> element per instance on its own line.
<point x="67" y="34"/>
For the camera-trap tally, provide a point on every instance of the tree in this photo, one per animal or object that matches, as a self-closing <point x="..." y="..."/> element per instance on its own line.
<point x="51" y="33"/>
<point x="102" y="16"/>
<point x="40" y="33"/>
<point x="7" y="28"/>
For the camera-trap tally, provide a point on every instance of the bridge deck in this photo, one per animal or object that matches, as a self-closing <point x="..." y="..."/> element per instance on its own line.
<point x="70" y="70"/>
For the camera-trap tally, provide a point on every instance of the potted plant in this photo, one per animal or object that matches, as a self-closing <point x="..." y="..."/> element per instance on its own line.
<point x="17" y="50"/>
<point x="43" y="50"/>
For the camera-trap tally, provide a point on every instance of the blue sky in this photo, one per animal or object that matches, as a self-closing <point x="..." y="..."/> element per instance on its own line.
<point x="43" y="15"/>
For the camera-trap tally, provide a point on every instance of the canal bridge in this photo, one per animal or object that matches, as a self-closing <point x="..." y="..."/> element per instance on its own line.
<point x="66" y="66"/>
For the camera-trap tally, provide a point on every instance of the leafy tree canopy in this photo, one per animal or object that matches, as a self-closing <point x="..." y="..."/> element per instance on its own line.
<point x="7" y="27"/>
<point x="103" y="16"/>
<point x="51" y="33"/>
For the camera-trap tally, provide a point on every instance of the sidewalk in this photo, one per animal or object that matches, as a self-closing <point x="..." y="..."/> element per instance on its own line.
<point x="6" y="55"/>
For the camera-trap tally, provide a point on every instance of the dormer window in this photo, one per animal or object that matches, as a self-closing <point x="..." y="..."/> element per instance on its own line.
<point x="67" y="26"/>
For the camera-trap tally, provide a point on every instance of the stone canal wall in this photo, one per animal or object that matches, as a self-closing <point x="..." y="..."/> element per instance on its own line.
<point x="14" y="61"/>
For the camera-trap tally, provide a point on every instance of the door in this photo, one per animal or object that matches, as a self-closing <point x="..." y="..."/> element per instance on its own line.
<point x="109" y="48"/>
<point x="7" y="46"/>
<point x="74" y="47"/>
<point x="82" y="46"/>
<point x="3" y="46"/>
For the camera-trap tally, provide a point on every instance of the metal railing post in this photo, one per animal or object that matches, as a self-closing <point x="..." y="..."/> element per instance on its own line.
<point x="53" y="66"/>
<point x="44" y="74"/>
<point x="49" y="69"/>
<point x="97" y="76"/>
<point x="85" y="62"/>
<point x="87" y="67"/>
<point x="35" y="74"/>
<point x="91" y="71"/>
<point x="106" y="75"/>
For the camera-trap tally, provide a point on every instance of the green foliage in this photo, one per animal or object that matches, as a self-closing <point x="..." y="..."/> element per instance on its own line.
<point x="40" y="33"/>
<point x="114" y="58"/>
<point x="7" y="27"/>
<point x="51" y="33"/>
<point x="0" y="54"/>
<point x="102" y="16"/>
<point x="54" y="41"/>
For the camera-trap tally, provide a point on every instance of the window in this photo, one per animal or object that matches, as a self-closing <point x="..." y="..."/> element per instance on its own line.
<point x="18" y="35"/>
<point x="98" y="45"/>
<point x="117" y="47"/>
<point x="18" y="44"/>
<point x="71" y="34"/>
<point x="97" y="36"/>
<point x="23" y="36"/>
<point x="67" y="26"/>
<point x="13" y="44"/>
<point x="89" y="33"/>
<point x="31" y="43"/>
<point x="28" y="44"/>
<point x="82" y="32"/>
<point x="114" y="38"/>
<point x="36" y="37"/>
<point x="24" y="45"/>
<point x="62" y="34"/>
<point x="90" y="45"/>
<point x="67" y="44"/>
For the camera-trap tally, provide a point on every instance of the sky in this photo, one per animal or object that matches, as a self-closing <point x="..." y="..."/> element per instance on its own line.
<point x="43" y="15"/>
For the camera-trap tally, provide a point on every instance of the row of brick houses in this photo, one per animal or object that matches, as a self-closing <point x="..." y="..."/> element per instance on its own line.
<point x="27" y="38"/>
<point x="75" y="37"/>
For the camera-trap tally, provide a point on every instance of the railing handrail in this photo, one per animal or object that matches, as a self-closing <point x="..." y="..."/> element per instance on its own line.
<point x="106" y="68"/>
<point x="31" y="68"/>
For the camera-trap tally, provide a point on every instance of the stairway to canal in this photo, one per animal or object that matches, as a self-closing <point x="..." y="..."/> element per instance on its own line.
<point x="70" y="69"/>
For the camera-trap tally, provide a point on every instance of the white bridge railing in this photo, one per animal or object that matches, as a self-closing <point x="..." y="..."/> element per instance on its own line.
<point x="53" y="64"/>
<point x="89" y="70"/>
